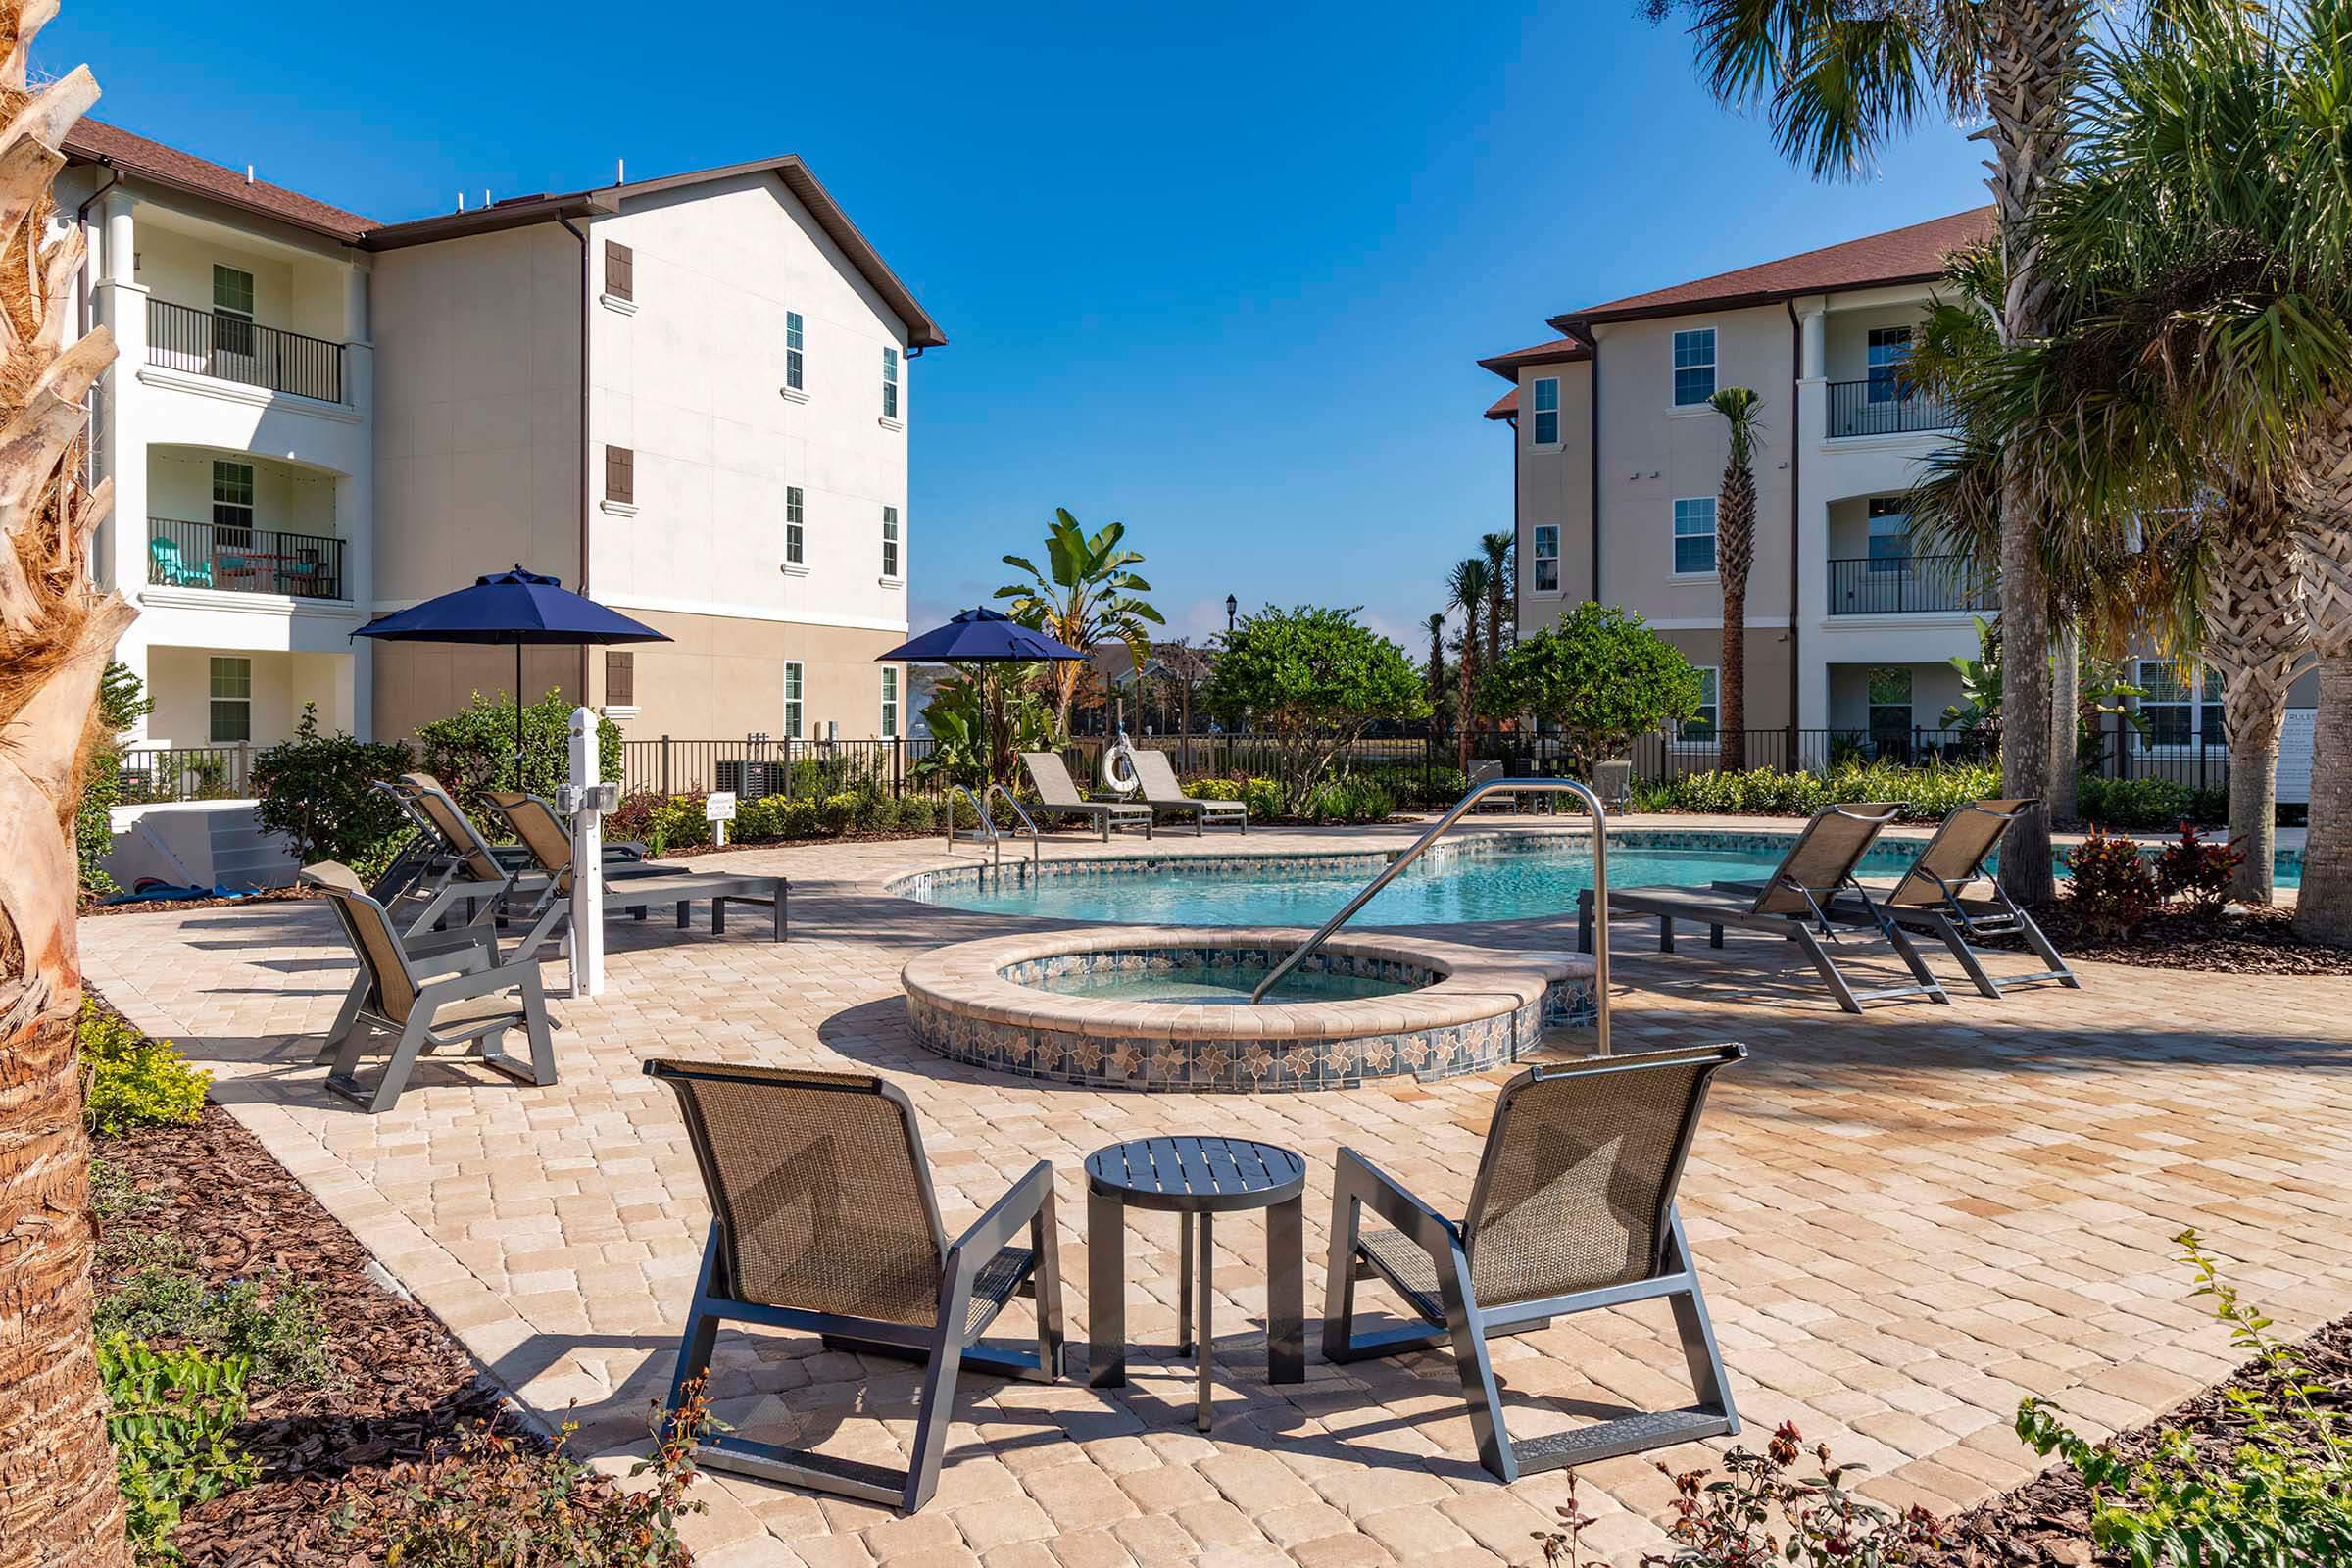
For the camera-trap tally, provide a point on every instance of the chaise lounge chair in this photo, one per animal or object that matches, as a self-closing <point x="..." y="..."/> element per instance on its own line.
<point x="1050" y="777"/>
<point x="1794" y="903"/>
<point x="414" y="996"/>
<point x="1155" y="778"/>
<point x="1940" y="897"/>
<point x="1573" y="1208"/>
<point x="455" y="862"/>
<point x="823" y="1221"/>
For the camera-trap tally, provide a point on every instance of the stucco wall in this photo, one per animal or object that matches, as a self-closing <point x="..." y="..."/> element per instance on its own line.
<point x="723" y="677"/>
<point x="180" y="485"/>
<point x="1555" y="487"/>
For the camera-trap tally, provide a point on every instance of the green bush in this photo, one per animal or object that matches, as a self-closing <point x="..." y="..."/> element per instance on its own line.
<point x="319" y="791"/>
<point x="132" y="1081"/>
<point x="172" y="1419"/>
<point x="2109" y="884"/>
<point x="2197" y="872"/>
<point x="1349" y="799"/>
<point x="472" y="752"/>
<point x="122" y="703"/>
<point x="152" y="1293"/>
<point x="1928" y="791"/>
<point x="919" y="813"/>
<point x="2148" y="804"/>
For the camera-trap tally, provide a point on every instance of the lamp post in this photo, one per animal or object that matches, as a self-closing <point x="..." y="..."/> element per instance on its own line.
<point x="1231" y="605"/>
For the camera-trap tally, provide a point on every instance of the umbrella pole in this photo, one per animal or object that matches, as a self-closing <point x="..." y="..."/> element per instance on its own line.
<point x="518" y="784"/>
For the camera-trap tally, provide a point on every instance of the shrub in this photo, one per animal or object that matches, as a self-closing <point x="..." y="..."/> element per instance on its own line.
<point x="2110" y="886"/>
<point x="2197" y="872"/>
<point x="837" y="813"/>
<point x="132" y="1081"/>
<point x="122" y="703"/>
<point x="2135" y="804"/>
<point x="1601" y="677"/>
<point x="505" y="1500"/>
<point x="919" y="813"/>
<point x="272" y="1323"/>
<point x="2283" y="1493"/>
<point x="471" y="752"/>
<point x="1349" y="799"/>
<point x="1313" y="681"/>
<point x="114" y="1194"/>
<point x="1928" y="791"/>
<point x="319" y="791"/>
<point x="174" y="1413"/>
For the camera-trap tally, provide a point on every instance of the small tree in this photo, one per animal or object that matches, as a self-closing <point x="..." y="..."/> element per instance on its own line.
<point x="1734" y="556"/>
<point x="1182" y="670"/>
<point x="1314" y="681"/>
<point x="1601" y="677"/>
<point x="1086" y="595"/>
<point x="319" y="791"/>
<point x="471" y="752"/>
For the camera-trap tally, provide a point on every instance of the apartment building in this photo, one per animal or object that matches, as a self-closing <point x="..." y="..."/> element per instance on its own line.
<point x="688" y="397"/>
<point x="1616" y="459"/>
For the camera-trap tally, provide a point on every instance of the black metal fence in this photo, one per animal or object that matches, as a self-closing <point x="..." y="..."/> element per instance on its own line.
<point x="156" y="774"/>
<point x="252" y="560"/>
<point x="1887" y="406"/>
<point x="1908" y="585"/>
<point x="237" y="348"/>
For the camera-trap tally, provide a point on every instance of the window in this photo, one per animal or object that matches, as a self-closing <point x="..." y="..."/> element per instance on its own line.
<point x="1890" y="354"/>
<point x="890" y="542"/>
<point x="620" y="271"/>
<point x="232" y="310"/>
<point x="1547" y="411"/>
<point x="1693" y="366"/>
<point x="792" y="699"/>
<point x="1547" y="558"/>
<point x="1695" y="536"/>
<point x="2183" y="707"/>
<point x="1891" y="712"/>
<point x="620" y="679"/>
<point x="796" y="339"/>
<point x="1700" y="727"/>
<point x="890" y="703"/>
<point x="1890" y="535"/>
<point x="232" y="503"/>
<point x="890" y="383"/>
<point x="232" y="701"/>
<point x="796" y="534"/>
<point x="620" y="476"/>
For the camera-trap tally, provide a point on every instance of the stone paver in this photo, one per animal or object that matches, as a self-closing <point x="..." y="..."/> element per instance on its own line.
<point x="1905" y="1221"/>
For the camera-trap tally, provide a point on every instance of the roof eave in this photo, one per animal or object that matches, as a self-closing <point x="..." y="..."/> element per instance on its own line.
<point x="491" y="219"/>
<point x="1579" y="323"/>
<point x="186" y="187"/>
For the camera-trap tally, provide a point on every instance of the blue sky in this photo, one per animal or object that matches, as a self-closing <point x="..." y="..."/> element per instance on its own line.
<point x="1219" y="271"/>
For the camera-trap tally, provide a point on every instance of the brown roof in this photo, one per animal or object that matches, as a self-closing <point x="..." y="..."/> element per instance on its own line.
<point x="1910" y="255"/>
<point x="1557" y="351"/>
<point x="97" y="141"/>
<point x="137" y="156"/>
<point x="1506" y="407"/>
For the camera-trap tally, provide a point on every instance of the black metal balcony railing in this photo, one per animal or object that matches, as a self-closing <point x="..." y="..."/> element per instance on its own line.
<point x="236" y="349"/>
<point x="1886" y="407"/>
<point x="248" y="560"/>
<point x="1909" y="585"/>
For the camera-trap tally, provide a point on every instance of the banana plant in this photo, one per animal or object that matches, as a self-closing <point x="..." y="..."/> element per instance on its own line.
<point x="1085" y="596"/>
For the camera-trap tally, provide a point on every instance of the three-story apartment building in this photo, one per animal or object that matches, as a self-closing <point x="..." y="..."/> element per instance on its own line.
<point x="688" y="397"/>
<point x="1851" y="627"/>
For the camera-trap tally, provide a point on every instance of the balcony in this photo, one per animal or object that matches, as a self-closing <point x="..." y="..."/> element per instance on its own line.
<point x="1909" y="585"/>
<point x="234" y="347"/>
<point x="1887" y="406"/>
<point x="243" y="560"/>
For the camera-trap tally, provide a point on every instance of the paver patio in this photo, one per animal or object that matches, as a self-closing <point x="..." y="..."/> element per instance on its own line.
<point x="1905" y="1221"/>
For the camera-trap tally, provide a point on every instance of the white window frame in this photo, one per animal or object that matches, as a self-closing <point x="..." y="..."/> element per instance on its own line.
<point x="241" y="675"/>
<point x="796" y="677"/>
<point x="796" y="362"/>
<point x="1537" y="410"/>
<point x="1675" y="537"/>
<point x="1870" y="704"/>
<point x="893" y="565"/>
<point x="1895" y="384"/>
<point x="889" y="702"/>
<point x="796" y="529"/>
<point x="1536" y="554"/>
<point x="1675" y="367"/>
<point x="2203" y="698"/>
<point x="889" y="382"/>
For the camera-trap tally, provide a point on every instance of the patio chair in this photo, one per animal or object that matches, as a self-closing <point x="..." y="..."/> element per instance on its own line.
<point x="1573" y="1208"/>
<point x="458" y="863"/>
<point x="411" y="994"/>
<point x="1155" y="779"/>
<point x="1794" y="903"/>
<point x="1940" y="897"/>
<point x="1050" y="777"/>
<point x="1481" y="772"/>
<point x="173" y="568"/>
<point x="631" y="883"/>
<point x="823" y="1220"/>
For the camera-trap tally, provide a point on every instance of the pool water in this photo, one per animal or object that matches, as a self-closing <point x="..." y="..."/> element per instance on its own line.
<point x="1529" y="879"/>
<point x="1228" y="987"/>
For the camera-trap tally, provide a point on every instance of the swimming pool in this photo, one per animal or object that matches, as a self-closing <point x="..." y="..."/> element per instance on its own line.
<point x="1496" y="877"/>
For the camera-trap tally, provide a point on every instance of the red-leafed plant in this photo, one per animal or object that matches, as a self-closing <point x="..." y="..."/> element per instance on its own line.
<point x="2197" y="872"/>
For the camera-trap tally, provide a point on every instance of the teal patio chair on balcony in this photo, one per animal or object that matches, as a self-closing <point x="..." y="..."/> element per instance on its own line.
<point x="173" y="569"/>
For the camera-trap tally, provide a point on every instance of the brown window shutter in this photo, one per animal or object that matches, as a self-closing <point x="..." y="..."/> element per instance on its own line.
<point x="620" y="679"/>
<point x="620" y="474"/>
<point x="620" y="271"/>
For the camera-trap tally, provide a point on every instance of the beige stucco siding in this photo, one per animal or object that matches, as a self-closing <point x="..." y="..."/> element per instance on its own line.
<point x="1555" y="489"/>
<point x="1768" y="665"/>
<point x="723" y="677"/>
<point x="419" y="681"/>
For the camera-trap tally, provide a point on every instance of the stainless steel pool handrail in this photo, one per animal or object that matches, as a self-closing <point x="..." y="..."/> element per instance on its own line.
<point x="1035" y="844"/>
<point x="1437" y="831"/>
<point x="987" y="829"/>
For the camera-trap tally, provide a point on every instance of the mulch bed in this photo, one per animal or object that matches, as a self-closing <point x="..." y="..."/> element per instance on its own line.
<point x="151" y="905"/>
<point x="402" y="1383"/>
<point x="2242" y="942"/>
<point x="2046" y="1522"/>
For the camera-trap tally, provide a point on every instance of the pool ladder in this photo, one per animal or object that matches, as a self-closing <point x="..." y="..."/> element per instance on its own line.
<point x="988" y="826"/>
<point x="1437" y="831"/>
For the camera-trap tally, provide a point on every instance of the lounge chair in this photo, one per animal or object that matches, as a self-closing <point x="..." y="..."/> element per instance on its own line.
<point x="1940" y="897"/>
<point x="1481" y="772"/>
<point x="412" y="995"/>
<point x="1155" y="778"/>
<point x="1794" y="903"/>
<point x="1573" y="1208"/>
<point x="630" y="884"/>
<point x="825" y="1221"/>
<point x="458" y="864"/>
<point x="1050" y="777"/>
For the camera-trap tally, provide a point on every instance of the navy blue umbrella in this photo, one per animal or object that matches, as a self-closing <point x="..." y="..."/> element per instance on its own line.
<point x="981" y="636"/>
<point x="518" y="607"/>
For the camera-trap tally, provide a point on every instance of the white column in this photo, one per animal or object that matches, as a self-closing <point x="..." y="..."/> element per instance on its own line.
<point x="1815" y="330"/>
<point x="355" y="525"/>
<point x="1812" y="520"/>
<point x="119" y="448"/>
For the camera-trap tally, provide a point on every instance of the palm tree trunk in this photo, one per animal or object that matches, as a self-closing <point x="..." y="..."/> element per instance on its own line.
<point x="2322" y="912"/>
<point x="1730" y="730"/>
<point x="2257" y="630"/>
<point x="59" y="1505"/>
<point x="2066" y="730"/>
<point x="2027" y="874"/>
<point x="1469" y="682"/>
<point x="2322" y="488"/>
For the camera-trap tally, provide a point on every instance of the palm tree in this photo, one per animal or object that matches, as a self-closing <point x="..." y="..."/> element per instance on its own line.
<point x="1735" y="554"/>
<point x="1435" y="676"/>
<point x="1841" y="78"/>
<point x="2257" y="639"/>
<point x="1470" y="584"/>
<point x="62" y="1505"/>
<point x="1500" y="586"/>
<point x="1085" y="596"/>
